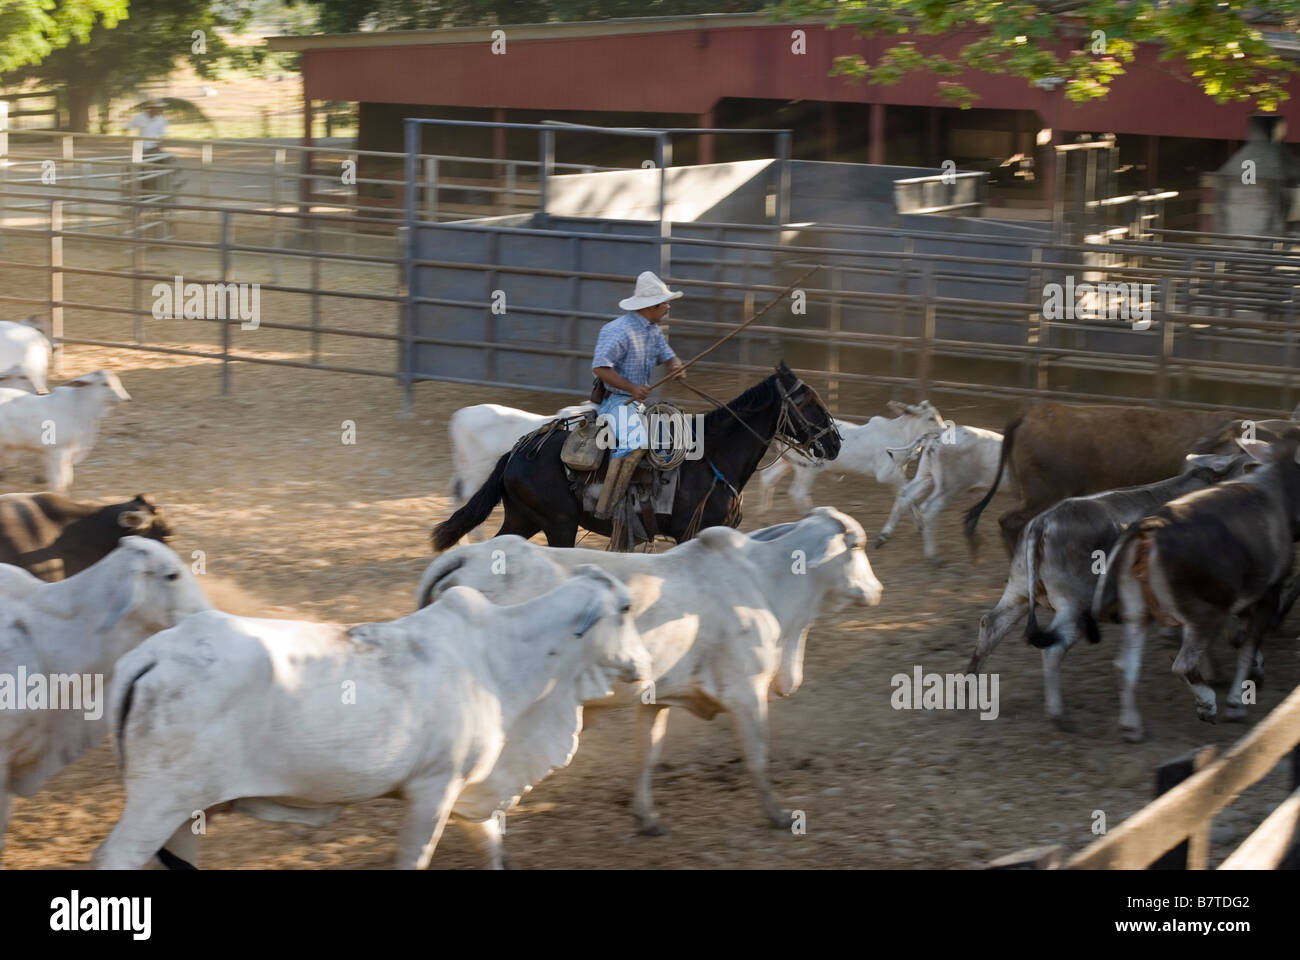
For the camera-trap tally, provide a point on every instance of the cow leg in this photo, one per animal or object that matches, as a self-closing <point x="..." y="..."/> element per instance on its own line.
<point x="749" y="713"/>
<point x="652" y="724"/>
<point x="1013" y="524"/>
<point x="930" y="524"/>
<point x="183" y="844"/>
<point x="801" y="490"/>
<point x="428" y="805"/>
<point x="998" y="622"/>
<point x="1066" y="626"/>
<point x="485" y="835"/>
<point x="149" y="820"/>
<point x="1248" y="654"/>
<point x="58" y="470"/>
<point x="767" y="483"/>
<point x="910" y="493"/>
<point x="1196" y="637"/>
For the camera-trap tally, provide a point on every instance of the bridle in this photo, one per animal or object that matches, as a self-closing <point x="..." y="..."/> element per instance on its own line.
<point x="792" y="414"/>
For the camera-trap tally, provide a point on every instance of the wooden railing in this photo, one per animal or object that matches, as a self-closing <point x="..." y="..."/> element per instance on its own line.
<point x="1172" y="831"/>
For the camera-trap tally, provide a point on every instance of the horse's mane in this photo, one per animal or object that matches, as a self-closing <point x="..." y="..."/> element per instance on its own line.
<point x="755" y="398"/>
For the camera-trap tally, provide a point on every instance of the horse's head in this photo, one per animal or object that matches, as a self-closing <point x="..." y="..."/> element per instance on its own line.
<point x="805" y="420"/>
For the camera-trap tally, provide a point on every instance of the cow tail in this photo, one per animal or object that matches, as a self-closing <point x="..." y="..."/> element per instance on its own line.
<point x="1033" y="540"/>
<point x="973" y="514"/>
<point x="478" y="509"/>
<point x="1106" y="594"/>
<point x="122" y="698"/>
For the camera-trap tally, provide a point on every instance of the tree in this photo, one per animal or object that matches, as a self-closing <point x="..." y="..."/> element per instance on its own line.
<point x="1085" y="43"/>
<point x="116" y="56"/>
<point x="29" y="30"/>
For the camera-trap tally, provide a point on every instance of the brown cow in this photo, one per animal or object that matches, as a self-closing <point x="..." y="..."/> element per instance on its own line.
<point x="1060" y="450"/>
<point x="54" y="537"/>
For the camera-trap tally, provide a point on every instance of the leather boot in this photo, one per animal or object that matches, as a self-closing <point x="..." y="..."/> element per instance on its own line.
<point x="617" y="478"/>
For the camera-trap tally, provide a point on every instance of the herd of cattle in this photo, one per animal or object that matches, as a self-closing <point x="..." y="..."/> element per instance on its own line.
<point x="462" y="706"/>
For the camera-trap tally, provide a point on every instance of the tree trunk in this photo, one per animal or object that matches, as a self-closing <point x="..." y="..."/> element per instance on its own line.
<point x="79" y="99"/>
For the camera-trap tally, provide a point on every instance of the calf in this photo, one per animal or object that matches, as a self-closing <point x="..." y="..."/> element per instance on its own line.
<point x="863" y="450"/>
<point x="22" y="345"/>
<point x="951" y="463"/>
<point x="55" y="537"/>
<point x="1059" y="450"/>
<point x="1197" y="562"/>
<point x="725" y="618"/>
<point x="70" y="631"/>
<point x="1058" y="560"/>
<point x="63" y="425"/>
<point x="458" y="708"/>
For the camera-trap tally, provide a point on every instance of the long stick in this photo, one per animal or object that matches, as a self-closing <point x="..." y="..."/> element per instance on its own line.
<point x="775" y="300"/>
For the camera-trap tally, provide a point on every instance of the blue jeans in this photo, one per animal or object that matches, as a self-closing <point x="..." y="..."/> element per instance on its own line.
<point x="627" y="423"/>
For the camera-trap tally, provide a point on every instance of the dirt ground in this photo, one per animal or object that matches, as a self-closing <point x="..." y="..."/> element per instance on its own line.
<point x="295" y="523"/>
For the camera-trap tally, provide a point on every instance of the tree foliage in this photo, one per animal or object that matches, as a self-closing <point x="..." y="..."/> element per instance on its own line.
<point x="1222" y="46"/>
<point x="31" y="29"/>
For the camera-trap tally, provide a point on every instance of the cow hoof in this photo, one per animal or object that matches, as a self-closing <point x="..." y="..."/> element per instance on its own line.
<point x="881" y="541"/>
<point x="1206" y="714"/>
<point x="1065" y="724"/>
<point x="1133" y="735"/>
<point x="1234" y="711"/>
<point x="654" y="829"/>
<point x="783" y="821"/>
<point x="936" y="561"/>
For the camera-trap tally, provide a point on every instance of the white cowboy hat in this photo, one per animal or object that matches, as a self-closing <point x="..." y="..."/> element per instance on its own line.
<point x="650" y="291"/>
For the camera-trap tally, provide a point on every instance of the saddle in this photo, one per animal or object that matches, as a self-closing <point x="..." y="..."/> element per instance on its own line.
<point x="650" y="491"/>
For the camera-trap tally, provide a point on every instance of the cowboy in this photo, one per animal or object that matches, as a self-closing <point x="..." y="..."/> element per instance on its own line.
<point x="627" y="351"/>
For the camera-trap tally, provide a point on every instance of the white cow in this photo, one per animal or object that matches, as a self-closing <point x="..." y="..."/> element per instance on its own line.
<point x="862" y="450"/>
<point x="953" y="461"/>
<point x="23" y="345"/>
<point x="62" y="425"/>
<point x="76" y="628"/>
<point x="15" y="382"/>
<point x="480" y="435"/>
<point x="458" y="708"/>
<point x="724" y="616"/>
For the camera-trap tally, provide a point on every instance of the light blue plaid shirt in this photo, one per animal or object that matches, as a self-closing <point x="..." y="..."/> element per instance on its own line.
<point x="633" y="346"/>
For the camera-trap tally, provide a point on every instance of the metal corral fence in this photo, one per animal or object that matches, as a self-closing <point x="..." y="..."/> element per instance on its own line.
<point x="927" y="311"/>
<point x="1173" y="832"/>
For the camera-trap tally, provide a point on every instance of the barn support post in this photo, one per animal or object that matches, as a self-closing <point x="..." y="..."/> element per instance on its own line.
<point x="224" y="248"/>
<point x="876" y="144"/>
<point x="664" y="157"/>
<point x="405" y="360"/>
<point x="783" y="143"/>
<point x="545" y="167"/>
<point x="706" y="139"/>
<point x="1193" y="852"/>
<point x="56" y="285"/>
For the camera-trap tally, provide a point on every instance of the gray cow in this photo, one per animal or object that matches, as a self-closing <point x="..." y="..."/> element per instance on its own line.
<point x="1059" y="558"/>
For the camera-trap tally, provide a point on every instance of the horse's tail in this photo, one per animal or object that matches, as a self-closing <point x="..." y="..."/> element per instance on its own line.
<point x="973" y="514"/>
<point x="479" y="508"/>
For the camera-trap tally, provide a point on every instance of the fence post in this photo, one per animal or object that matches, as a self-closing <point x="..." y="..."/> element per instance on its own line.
<point x="783" y="177"/>
<point x="546" y="164"/>
<point x="1193" y="852"/>
<point x="315" y="289"/>
<point x="277" y="172"/>
<point x="927" y="328"/>
<point x="137" y="267"/>
<point x="431" y="188"/>
<point x="833" y="341"/>
<point x="1166" y="344"/>
<point x="225" y="324"/>
<point x="406" y="348"/>
<point x="510" y="187"/>
<point x="56" y="284"/>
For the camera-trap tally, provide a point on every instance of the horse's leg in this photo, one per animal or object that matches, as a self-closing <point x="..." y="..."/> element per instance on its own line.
<point x="562" y="532"/>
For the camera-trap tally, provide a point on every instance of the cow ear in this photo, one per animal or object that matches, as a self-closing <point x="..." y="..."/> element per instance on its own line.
<point x="134" y="519"/>
<point x="897" y="406"/>
<point x="1256" y="448"/>
<point x="831" y="548"/>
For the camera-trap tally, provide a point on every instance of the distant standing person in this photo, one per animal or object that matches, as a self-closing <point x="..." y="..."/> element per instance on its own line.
<point x="151" y="124"/>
